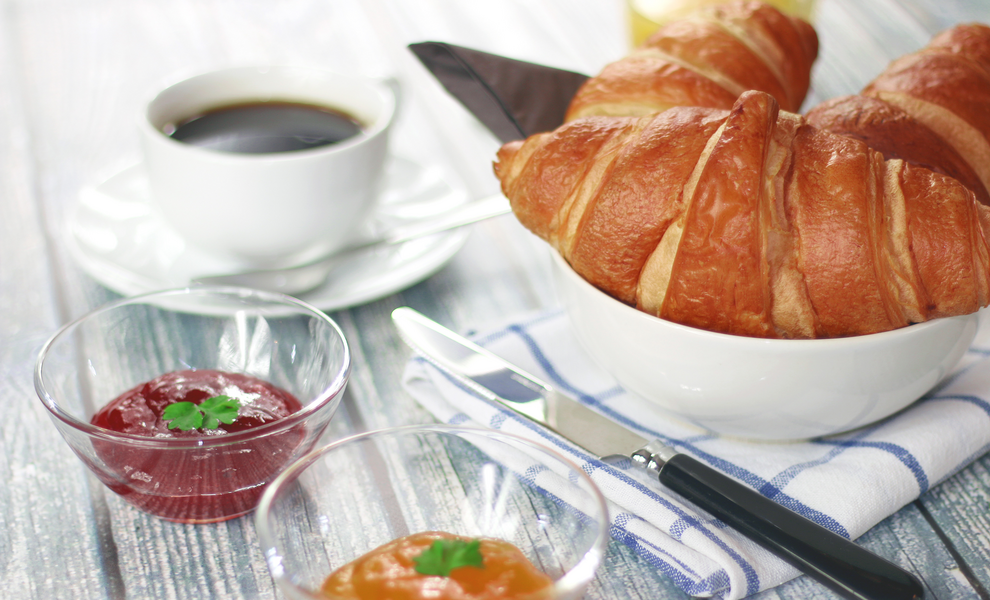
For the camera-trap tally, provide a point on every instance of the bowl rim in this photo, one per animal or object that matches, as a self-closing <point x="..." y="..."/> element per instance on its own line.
<point x="334" y="389"/>
<point x="791" y="345"/>
<point x="582" y="572"/>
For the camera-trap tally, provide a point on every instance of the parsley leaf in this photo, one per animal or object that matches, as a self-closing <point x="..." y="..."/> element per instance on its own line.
<point x="184" y="415"/>
<point x="208" y="414"/>
<point x="219" y="409"/>
<point x="443" y="556"/>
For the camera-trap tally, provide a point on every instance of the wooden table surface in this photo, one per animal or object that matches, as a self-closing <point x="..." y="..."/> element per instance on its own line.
<point x="73" y="74"/>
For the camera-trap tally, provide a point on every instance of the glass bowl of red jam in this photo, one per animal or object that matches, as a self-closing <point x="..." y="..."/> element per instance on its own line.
<point x="433" y="511"/>
<point x="187" y="403"/>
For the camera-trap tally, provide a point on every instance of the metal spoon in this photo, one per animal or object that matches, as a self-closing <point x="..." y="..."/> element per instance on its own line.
<point x="307" y="276"/>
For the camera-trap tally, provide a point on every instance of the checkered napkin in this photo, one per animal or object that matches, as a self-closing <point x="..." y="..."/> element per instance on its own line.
<point x="847" y="483"/>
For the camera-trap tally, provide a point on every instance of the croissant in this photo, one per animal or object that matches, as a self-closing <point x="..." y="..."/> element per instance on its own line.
<point x="930" y="108"/>
<point x="751" y="222"/>
<point x="707" y="59"/>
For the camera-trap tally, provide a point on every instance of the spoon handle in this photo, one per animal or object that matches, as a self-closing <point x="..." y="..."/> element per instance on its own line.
<point x="304" y="277"/>
<point x="466" y="214"/>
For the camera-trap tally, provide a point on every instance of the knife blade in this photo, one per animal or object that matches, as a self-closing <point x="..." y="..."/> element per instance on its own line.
<point x="512" y="98"/>
<point x="838" y="563"/>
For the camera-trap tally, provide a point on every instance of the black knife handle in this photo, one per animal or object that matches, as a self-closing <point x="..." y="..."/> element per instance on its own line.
<point x="827" y="557"/>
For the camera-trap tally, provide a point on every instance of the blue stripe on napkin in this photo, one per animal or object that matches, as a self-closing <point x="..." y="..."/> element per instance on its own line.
<point x="846" y="483"/>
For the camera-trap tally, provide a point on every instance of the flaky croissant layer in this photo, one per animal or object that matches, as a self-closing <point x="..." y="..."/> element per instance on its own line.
<point x="930" y="108"/>
<point x="751" y="222"/>
<point x="707" y="59"/>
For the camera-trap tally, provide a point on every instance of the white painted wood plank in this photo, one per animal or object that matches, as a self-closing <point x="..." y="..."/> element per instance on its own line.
<point x="78" y="69"/>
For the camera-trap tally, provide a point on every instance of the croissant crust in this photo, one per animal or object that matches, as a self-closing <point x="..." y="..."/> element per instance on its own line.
<point x="751" y="222"/>
<point x="707" y="59"/>
<point x="930" y="108"/>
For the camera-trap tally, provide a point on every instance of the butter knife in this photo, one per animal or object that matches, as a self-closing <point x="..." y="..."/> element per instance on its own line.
<point x="836" y="562"/>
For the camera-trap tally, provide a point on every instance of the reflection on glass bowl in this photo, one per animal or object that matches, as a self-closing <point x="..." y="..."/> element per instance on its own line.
<point x="346" y="499"/>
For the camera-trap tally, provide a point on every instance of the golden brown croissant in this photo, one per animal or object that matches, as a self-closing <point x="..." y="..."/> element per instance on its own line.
<point x="930" y="108"/>
<point x="707" y="59"/>
<point x="751" y="222"/>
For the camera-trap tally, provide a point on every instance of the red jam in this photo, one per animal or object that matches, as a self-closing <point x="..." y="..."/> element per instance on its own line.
<point x="200" y="484"/>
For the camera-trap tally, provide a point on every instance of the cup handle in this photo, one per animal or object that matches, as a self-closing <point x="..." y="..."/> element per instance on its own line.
<point x="396" y="87"/>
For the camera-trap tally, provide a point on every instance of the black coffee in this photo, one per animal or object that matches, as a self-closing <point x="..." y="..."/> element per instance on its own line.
<point x="263" y="127"/>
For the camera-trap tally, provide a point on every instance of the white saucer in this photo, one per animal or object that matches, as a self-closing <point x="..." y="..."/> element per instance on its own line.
<point x="117" y="237"/>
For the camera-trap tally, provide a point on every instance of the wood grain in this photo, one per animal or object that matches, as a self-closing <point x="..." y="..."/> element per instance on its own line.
<point x="74" y="73"/>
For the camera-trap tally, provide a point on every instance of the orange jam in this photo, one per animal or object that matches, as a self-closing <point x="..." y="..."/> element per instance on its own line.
<point x="389" y="571"/>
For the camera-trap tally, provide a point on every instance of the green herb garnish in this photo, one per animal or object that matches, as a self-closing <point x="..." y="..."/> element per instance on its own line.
<point x="443" y="556"/>
<point x="208" y="414"/>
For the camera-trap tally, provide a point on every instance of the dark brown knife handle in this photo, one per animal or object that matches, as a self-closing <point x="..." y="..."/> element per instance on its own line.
<point x="829" y="558"/>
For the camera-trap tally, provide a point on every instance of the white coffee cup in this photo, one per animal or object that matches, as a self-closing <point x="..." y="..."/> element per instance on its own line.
<point x="271" y="209"/>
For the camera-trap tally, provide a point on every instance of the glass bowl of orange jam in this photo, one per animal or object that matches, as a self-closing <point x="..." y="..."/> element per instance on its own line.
<point x="433" y="511"/>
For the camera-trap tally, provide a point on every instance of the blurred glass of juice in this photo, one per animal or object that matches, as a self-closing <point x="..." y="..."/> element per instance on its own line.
<point x="647" y="15"/>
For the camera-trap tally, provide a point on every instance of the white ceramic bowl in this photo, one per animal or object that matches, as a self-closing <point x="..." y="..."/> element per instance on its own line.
<point x="758" y="388"/>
